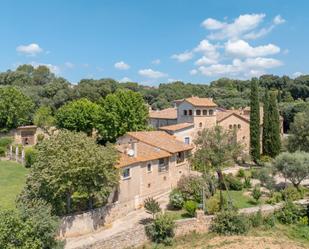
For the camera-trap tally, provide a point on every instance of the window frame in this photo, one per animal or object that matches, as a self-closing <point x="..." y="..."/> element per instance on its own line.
<point x="180" y="157"/>
<point x="187" y="139"/>
<point x="163" y="167"/>
<point x="185" y="112"/>
<point x="198" y="112"/>
<point x="123" y="173"/>
<point x="205" y="112"/>
<point x="147" y="166"/>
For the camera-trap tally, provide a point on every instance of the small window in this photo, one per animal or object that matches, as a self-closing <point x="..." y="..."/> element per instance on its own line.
<point x="204" y="112"/>
<point x="234" y="126"/>
<point x="180" y="157"/>
<point x="187" y="140"/>
<point x="243" y="138"/>
<point x="185" y="112"/>
<point x="198" y="112"/>
<point x="190" y="112"/>
<point x="149" y="168"/>
<point x="200" y="124"/>
<point x="164" y="178"/>
<point x="211" y="112"/>
<point x="239" y="126"/>
<point x="163" y="165"/>
<point x="230" y="126"/>
<point x="126" y="173"/>
<point x="149" y="185"/>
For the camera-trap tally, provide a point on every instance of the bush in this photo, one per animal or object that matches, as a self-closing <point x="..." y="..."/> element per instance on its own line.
<point x="256" y="193"/>
<point x="40" y="137"/>
<point x="191" y="188"/>
<point x="5" y="141"/>
<point x="291" y="194"/>
<point x="190" y="207"/>
<point x="256" y="219"/>
<point x="212" y="205"/>
<point x="264" y="160"/>
<point x="230" y="223"/>
<point x="269" y="221"/>
<point x="290" y="213"/>
<point x="241" y="173"/>
<point x="30" y="155"/>
<point x="152" y="206"/>
<point x="161" y="230"/>
<point x="265" y="178"/>
<point x="232" y="183"/>
<point x="275" y="198"/>
<point x="247" y="183"/>
<point x="2" y="151"/>
<point x="176" y="199"/>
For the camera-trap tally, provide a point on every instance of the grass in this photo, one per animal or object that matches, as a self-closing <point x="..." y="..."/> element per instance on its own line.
<point x="239" y="199"/>
<point x="178" y="214"/>
<point x="12" y="179"/>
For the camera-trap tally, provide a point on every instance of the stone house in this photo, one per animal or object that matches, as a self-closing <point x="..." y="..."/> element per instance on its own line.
<point x="151" y="163"/>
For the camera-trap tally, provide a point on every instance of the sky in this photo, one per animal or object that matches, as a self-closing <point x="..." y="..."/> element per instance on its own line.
<point x="157" y="41"/>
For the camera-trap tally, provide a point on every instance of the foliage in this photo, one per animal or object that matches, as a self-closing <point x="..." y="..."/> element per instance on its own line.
<point x="266" y="139"/>
<point x="152" y="206"/>
<point x="121" y="112"/>
<point x="16" y="109"/>
<point x="254" y="120"/>
<point x="231" y="183"/>
<point x="256" y="193"/>
<point x="291" y="194"/>
<point x="293" y="166"/>
<point x="30" y="156"/>
<point x="241" y="173"/>
<point x="43" y="118"/>
<point x="5" y="141"/>
<point x="269" y="221"/>
<point x="40" y="137"/>
<point x="290" y="213"/>
<point x="212" y="205"/>
<point x="161" y="230"/>
<point x="256" y="219"/>
<point x="247" y="183"/>
<point x="230" y="223"/>
<point x="265" y="177"/>
<point x="176" y="199"/>
<point x="78" y="115"/>
<point x="71" y="162"/>
<point x="2" y="151"/>
<point x="274" y="198"/>
<point x="190" y="207"/>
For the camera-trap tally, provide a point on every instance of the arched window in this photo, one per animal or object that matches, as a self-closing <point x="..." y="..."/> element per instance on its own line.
<point x="211" y="112"/>
<point x="234" y="126"/>
<point x="231" y="126"/>
<point x="190" y="112"/>
<point x="200" y="124"/>
<point x="198" y="112"/>
<point x="185" y="112"/>
<point x="239" y="126"/>
<point x="204" y="112"/>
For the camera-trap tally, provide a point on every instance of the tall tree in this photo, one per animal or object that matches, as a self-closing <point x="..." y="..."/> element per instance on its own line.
<point x="266" y="141"/>
<point x="255" y="121"/>
<point x="44" y="119"/>
<point x="122" y="111"/>
<point x="274" y="126"/>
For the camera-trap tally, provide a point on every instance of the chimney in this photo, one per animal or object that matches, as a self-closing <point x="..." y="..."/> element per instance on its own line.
<point x="132" y="152"/>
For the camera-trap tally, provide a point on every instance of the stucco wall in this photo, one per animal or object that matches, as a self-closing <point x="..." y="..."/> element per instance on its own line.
<point x="158" y="122"/>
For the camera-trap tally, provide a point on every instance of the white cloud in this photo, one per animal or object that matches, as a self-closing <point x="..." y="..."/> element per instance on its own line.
<point x="149" y="73"/>
<point x="278" y="20"/>
<point x="297" y="74"/>
<point x="121" y="65"/>
<point x="241" y="48"/>
<point x="213" y="24"/>
<point x="125" y="79"/>
<point x="69" y="65"/>
<point x="156" y="61"/>
<point x="30" y="49"/>
<point x="193" y="72"/>
<point x="182" y="57"/>
<point x="171" y="80"/>
<point x="205" y="61"/>
<point x="53" y="68"/>
<point x="211" y="55"/>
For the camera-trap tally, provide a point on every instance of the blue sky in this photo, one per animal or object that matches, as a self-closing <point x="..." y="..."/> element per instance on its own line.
<point x="157" y="41"/>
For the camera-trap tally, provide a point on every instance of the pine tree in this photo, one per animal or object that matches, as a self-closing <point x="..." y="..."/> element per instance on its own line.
<point x="254" y="121"/>
<point x="274" y="126"/>
<point x="266" y="141"/>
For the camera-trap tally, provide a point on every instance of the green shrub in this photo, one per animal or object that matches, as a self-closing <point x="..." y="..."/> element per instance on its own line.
<point x="176" y="199"/>
<point x="152" y="206"/>
<point x="269" y="221"/>
<point x="275" y="198"/>
<point x="291" y="194"/>
<point x="230" y="223"/>
<point x="232" y="183"/>
<point x="40" y="137"/>
<point x="5" y="141"/>
<point x="161" y="230"/>
<point x="256" y="193"/>
<point x="241" y="173"/>
<point x="190" y="207"/>
<point x="191" y="188"/>
<point x="2" y="151"/>
<point x="256" y="219"/>
<point x="290" y="213"/>
<point x="303" y="221"/>
<point x="265" y="177"/>
<point x="265" y="160"/>
<point x="30" y="156"/>
<point x="212" y="205"/>
<point x="247" y="183"/>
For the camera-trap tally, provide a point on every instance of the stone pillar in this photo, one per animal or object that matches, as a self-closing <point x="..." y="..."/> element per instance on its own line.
<point x="16" y="154"/>
<point x="11" y="152"/>
<point x="23" y="156"/>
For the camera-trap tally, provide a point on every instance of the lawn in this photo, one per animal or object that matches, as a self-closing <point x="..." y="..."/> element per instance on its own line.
<point x="239" y="199"/>
<point x="12" y="179"/>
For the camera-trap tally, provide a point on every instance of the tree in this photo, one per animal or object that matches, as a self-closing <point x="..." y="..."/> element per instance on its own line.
<point x="44" y="119"/>
<point x="15" y="108"/>
<point x="274" y="144"/>
<point x="69" y="164"/>
<point x="152" y="206"/>
<point x="256" y="193"/>
<point x="293" y="166"/>
<point x="266" y="141"/>
<point x="299" y="137"/>
<point x="78" y="115"/>
<point x="122" y="111"/>
<point x="254" y="121"/>
<point x="215" y="148"/>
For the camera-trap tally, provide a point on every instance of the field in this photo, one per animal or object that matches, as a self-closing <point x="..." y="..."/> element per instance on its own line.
<point x="12" y="179"/>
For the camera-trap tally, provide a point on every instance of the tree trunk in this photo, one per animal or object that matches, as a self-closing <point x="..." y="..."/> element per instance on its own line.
<point x="221" y="181"/>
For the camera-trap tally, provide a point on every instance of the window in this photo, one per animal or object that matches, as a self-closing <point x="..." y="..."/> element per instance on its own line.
<point x="163" y="164"/>
<point x="180" y="157"/>
<point x="200" y="124"/>
<point x="211" y="112"/>
<point x="205" y="112"/>
<point x="198" y="112"/>
<point x="234" y="126"/>
<point x="149" y="168"/>
<point x="243" y="138"/>
<point x="239" y="126"/>
<point x="190" y="112"/>
<point x="187" y="140"/>
<point x="126" y="173"/>
<point x="185" y="112"/>
<point x="149" y="185"/>
<point x="230" y="126"/>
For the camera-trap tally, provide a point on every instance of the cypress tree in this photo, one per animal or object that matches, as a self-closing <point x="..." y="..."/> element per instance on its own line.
<point x="254" y="121"/>
<point x="274" y="126"/>
<point x="266" y="141"/>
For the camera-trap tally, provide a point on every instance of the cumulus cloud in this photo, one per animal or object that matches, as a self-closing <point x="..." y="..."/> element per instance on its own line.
<point x="121" y="65"/>
<point x="182" y="57"/>
<point x="149" y="73"/>
<point x="156" y="61"/>
<point x="125" y="79"/>
<point x="205" y="61"/>
<point x="297" y="74"/>
<point x="241" y="48"/>
<point x="193" y="72"/>
<point x="278" y="20"/>
<point x="30" y="49"/>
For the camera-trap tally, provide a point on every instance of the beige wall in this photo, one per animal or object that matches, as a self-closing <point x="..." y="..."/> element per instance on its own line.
<point x="158" y="122"/>
<point x="182" y="134"/>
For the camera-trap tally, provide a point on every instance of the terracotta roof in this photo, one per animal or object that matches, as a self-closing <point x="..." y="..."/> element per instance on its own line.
<point x="176" y="127"/>
<point x="225" y="114"/>
<point x="162" y="140"/>
<point x="169" y="113"/>
<point x="196" y="101"/>
<point x="145" y="153"/>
